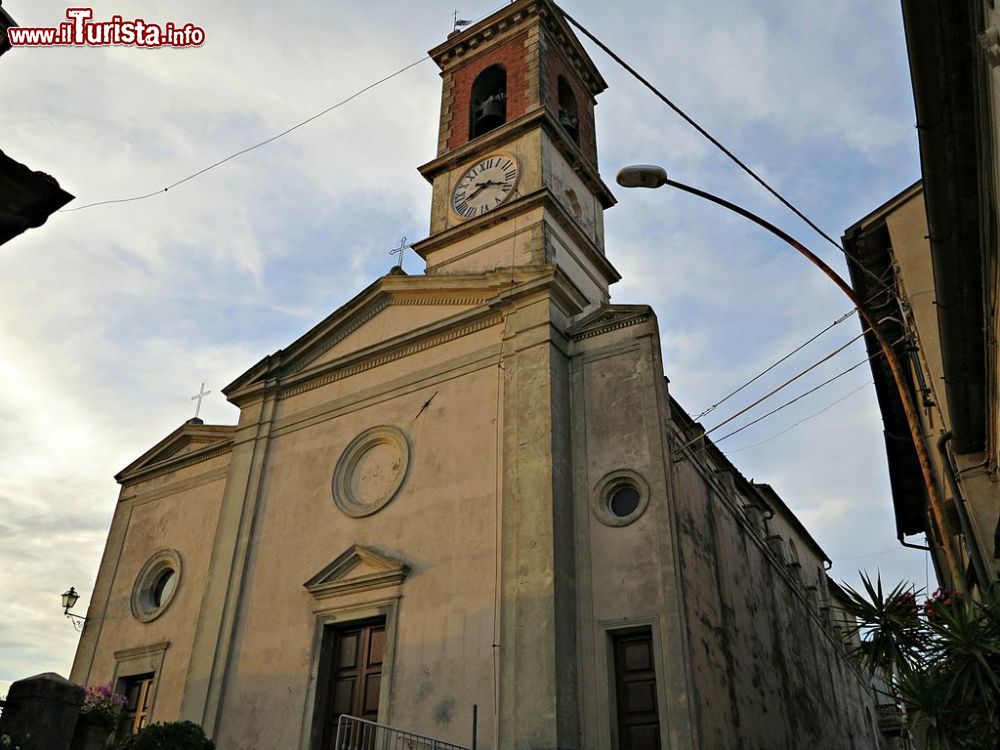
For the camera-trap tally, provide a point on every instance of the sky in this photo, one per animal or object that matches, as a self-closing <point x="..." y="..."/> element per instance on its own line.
<point x="111" y="317"/>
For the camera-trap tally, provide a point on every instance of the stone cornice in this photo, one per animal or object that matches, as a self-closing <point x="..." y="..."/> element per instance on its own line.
<point x="131" y="653"/>
<point x="388" y="290"/>
<point x="151" y="471"/>
<point x="461" y="46"/>
<point x="495" y="139"/>
<point x="166" y="455"/>
<point x="372" y="357"/>
<point x="539" y="199"/>
<point x="609" y="318"/>
<point x="498" y="289"/>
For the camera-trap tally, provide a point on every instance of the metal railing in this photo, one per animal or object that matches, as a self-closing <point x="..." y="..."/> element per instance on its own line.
<point x="360" y="734"/>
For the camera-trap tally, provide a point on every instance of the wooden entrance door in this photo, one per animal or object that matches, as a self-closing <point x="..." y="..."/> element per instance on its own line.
<point x="635" y="690"/>
<point x="353" y="656"/>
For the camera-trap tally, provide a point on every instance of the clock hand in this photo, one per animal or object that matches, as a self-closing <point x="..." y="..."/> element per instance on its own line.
<point x="480" y="188"/>
<point x="483" y="185"/>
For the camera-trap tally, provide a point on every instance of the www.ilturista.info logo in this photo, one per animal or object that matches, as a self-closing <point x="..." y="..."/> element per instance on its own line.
<point x="81" y="31"/>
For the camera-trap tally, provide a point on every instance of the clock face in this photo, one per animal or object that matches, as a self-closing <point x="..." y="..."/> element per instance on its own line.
<point x="485" y="186"/>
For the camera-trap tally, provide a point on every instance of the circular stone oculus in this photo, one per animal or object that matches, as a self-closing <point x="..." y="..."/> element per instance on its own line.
<point x="371" y="470"/>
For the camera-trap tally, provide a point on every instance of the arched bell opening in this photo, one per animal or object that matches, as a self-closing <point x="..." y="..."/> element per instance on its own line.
<point x="488" y="105"/>
<point x="569" y="115"/>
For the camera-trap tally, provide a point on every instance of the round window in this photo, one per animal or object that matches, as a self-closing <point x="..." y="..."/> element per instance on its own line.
<point x="624" y="501"/>
<point x="164" y="587"/>
<point x="620" y="497"/>
<point x="156" y="585"/>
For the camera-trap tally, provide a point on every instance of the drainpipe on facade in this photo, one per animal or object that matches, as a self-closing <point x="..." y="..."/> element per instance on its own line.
<point x="972" y="543"/>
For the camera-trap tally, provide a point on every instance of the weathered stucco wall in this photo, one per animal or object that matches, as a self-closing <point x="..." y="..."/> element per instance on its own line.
<point x="175" y="510"/>
<point x="440" y="524"/>
<point x="766" y="671"/>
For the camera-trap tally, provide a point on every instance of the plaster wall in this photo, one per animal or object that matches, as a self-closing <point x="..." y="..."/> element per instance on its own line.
<point x="626" y="572"/>
<point x="441" y="524"/>
<point x="394" y="320"/>
<point x="766" y="672"/>
<point x="571" y="191"/>
<point x="177" y="510"/>
<point x="516" y="241"/>
<point x="907" y="225"/>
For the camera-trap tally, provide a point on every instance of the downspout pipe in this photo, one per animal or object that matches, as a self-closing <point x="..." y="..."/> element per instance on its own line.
<point x="972" y="543"/>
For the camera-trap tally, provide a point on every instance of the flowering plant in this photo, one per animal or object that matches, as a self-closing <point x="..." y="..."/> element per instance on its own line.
<point x="939" y="600"/>
<point x="102" y="706"/>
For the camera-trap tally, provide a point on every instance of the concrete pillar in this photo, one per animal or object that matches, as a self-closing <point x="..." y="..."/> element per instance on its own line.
<point x="42" y="710"/>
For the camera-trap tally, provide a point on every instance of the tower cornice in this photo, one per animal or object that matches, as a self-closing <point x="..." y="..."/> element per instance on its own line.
<point x="465" y="44"/>
<point x="511" y="130"/>
<point x="539" y="199"/>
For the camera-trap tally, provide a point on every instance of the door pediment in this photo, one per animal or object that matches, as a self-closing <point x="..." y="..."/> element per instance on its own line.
<point x="357" y="568"/>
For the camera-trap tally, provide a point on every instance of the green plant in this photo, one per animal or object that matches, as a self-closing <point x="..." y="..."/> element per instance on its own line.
<point x="102" y="707"/>
<point x="175" y="735"/>
<point x="941" y="660"/>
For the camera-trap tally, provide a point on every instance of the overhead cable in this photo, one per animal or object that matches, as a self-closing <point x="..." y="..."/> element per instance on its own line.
<point x="715" y="142"/>
<point x="764" y="372"/>
<point x="804" y="419"/>
<point x="255" y="146"/>
<point x="788" y="382"/>
<point x="798" y="398"/>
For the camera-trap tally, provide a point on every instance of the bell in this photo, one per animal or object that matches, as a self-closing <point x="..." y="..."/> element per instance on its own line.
<point x="570" y="123"/>
<point x="491" y="114"/>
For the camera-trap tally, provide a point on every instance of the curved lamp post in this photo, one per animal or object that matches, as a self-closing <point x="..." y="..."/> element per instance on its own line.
<point x="649" y="176"/>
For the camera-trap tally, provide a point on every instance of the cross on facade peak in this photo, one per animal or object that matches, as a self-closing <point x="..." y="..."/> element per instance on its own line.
<point x="403" y="245"/>
<point x="198" y="397"/>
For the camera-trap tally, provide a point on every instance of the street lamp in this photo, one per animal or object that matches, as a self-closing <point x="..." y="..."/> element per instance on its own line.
<point x="651" y="176"/>
<point x="69" y="599"/>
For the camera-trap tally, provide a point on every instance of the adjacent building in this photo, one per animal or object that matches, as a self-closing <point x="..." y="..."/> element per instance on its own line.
<point x="931" y="277"/>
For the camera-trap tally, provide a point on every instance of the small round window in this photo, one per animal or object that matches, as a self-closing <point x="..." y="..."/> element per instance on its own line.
<point x="620" y="497"/>
<point x="164" y="587"/>
<point x="156" y="585"/>
<point x="624" y="501"/>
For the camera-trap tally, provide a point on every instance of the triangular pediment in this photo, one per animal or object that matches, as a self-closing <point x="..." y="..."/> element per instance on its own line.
<point x="393" y="308"/>
<point x="189" y="441"/>
<point x="356" y="569"/>
<point x="609" y="318"/>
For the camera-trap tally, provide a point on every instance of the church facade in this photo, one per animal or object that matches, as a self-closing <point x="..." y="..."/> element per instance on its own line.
<point x="471" y="487"/>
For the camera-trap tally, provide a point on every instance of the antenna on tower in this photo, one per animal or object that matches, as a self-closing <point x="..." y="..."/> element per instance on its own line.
<point x="458" y="22"/>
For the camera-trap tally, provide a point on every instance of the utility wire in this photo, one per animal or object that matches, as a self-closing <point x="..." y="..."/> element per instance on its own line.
<point x="870" y="554"/>
<point x="804" y="419"/>
<point x="273" y="138"/>
<point x="762" y="373"/>
<point x="799" y="397"/>
<point x="282" y="134"/>
<point x="838" y="321"/>
<point x="715" y="142"/>
<point x="788" y="382"/>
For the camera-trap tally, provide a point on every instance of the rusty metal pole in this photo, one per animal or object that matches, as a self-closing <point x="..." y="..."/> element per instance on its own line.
<point x="897" y="372"/>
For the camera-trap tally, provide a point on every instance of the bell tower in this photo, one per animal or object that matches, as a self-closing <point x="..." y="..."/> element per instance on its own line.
<point x="515" y="180"/>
